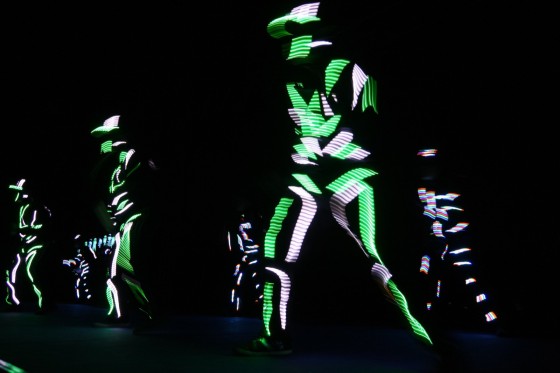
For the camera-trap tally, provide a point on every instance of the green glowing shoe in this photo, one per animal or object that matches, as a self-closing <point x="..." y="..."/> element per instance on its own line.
<point x="265" y="346"/>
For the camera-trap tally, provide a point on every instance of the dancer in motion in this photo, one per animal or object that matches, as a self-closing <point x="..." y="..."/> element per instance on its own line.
<point x="90" y="255"/>
<point x="32" y="231"/>
<point x="327" y="97"/>
<point x="123" y="217"/>
<point x="447" y="264"/>
<point x="246" y="293"/>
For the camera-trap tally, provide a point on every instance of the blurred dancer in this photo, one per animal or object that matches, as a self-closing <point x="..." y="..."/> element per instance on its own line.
<point x="245" y="244"/>
<point x="448" y="263"/>
<point x="32" y="236"/>
<point x="123" y="217"/>
<point x="89" y="256"/>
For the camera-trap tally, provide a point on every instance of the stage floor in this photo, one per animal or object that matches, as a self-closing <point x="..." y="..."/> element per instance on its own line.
<point x="65" y="340"/>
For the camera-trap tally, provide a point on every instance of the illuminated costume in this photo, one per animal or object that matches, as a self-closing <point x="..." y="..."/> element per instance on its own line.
<point x="90" y="255"/>
<point x="124" y="215"/>
<point x="325" y="97"/>
<point x="447" y="265"/>
<point x="246" y="247"/>
<point x="31" y="229"/>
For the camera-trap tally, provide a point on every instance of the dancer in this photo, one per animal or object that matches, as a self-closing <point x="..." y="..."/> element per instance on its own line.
<point x="327" y="97"/>
<point x="33" y="241"/>
<point x="90" y="255"/>
<point x="447" y="265"/>
<point x="123" y="217"/>
<point x="245" y="245"/>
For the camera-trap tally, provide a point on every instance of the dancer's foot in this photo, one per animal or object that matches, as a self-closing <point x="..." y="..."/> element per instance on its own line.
<point x="265" y="346"/>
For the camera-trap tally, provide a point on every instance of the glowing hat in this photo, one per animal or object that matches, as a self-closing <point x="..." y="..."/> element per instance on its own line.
<point x="109" y="126"/>
<point x="18" y="186"/>
<point x="299" y="15"/>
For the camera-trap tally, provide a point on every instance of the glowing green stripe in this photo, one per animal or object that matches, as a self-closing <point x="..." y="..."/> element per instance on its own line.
<point x="275" y="225"/>
<point x="300" y="47"/>
<point x="340" y="184"/>
<point x="267" y="305"/>
<point x="307" y="183"/>
<point x="417" y="328"/>
<point x="332" y="73"/>
<point x="369" y="95"/>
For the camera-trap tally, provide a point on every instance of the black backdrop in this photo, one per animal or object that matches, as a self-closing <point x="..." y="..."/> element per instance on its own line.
<point x="200" y="92"/>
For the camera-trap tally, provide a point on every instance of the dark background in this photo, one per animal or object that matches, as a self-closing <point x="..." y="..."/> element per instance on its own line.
<point x="199" y="89"/>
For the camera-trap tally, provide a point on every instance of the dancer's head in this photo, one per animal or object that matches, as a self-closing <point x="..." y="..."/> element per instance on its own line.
<point x="297" y="29"/>
<point x="21" y="193"/>
<point x="110" y="134"/>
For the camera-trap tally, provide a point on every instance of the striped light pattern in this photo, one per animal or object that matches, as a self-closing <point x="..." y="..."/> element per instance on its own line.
<point x="114" y="261"/>
<point x="327" y="110"/>
<point x="444" y="252"/>
<point x="10" y="368"/>
<point x="437" y="229"/>
<point x="459" y="251"/>
<point x="286" y="285"/>
<point x="126" y="159"/>
<point x="381" y="272"/>
<point x="490" y="316"/>
<point x="338" y="204"/>
<point x="12" y="281"/>
<point x="110" y="124"/>
<point x="307" y="213"/>
<point x="301" y="14"/>
<point x="457" y="228"/>
<point x="30" y="225"/>
<point x="332" y="74"/>
<point x="268" y="306"/>
<point x="18" y="185"/>
<point x="427" y="153"/>
<point x="113" y="295"/>
<point x="123" y="214"/>
<point x="349" y="178"/>
<point x="136" y="288"/>
<point x="359" y="80"/>
<point x="315" y="125"/>
<point x="106" y="147"/>
<point x="85" y="259"/>
<point x="116" y="181"/>
<point x="275" y="226"/>
<point x="341" y="147"/>
<point x="303" y="160"/>
<point x="307" y="183"/>
<point x="300" y="47"/>
<point x="463" y="263"/>
<point x="425" y="264"/>
<point x="305" y="151"/>
<point x="312" y="146"/>
<point x="444" y="225"/>
<point x="247" y="252"/>
<point x="315" y="114"/>
<point x="416" y="326"/>
<point x="369" y="94"/>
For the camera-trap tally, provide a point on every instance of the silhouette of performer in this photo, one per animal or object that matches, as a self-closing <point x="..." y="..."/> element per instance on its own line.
<point x="90" y="255"/>
<point x="123" y="216"/>
<point x="447" y="264"/>
<point x="245" y="244"/>
<point x="31" y="229"/>
<point x="327" y="96"/>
